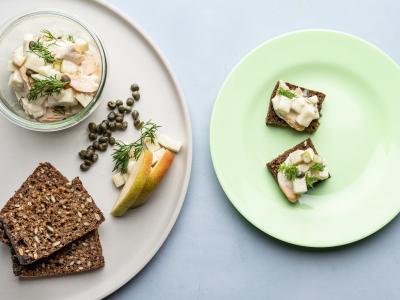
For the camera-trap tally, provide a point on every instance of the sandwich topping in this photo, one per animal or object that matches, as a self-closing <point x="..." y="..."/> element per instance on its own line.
<point x="54" y="76"/>
<point x="295" y="106"/>
<point x="300" y="171"/>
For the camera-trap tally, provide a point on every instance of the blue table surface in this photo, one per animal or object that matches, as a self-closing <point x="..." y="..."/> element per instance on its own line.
<point x="212" y="252"/>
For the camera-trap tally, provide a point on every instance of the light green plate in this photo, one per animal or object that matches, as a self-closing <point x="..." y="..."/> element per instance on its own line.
<point x="358" y="137"/>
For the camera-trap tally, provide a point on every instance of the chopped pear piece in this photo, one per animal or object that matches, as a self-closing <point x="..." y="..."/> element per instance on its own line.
<point x="152" y="146"/>
<point x="81" y="45"/>
<point x="169" y="143"/>
<point x="299" y="185"/>
<point x="118" y="179"/>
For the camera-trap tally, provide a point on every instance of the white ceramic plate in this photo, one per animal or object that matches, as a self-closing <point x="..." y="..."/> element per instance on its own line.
<point x="129" y="242"/>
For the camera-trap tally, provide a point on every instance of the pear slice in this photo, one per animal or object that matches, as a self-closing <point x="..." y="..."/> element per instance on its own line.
<point x="156" y="175"/>
<point x="134" y="185"/>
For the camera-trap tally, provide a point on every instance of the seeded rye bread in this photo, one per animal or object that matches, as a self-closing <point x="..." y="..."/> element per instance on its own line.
<point x="274" y="120"/>
<point x="3" y="237"/>
<point x="82" y="255"/>
<point x="273" y="165"/>
<point x="47" y="213"/>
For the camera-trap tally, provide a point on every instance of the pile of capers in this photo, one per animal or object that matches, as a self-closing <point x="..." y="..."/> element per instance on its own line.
<point x="101" y="134"/>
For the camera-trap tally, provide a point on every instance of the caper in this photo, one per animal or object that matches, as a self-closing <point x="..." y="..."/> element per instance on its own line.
<point x="99" y="129"/>
<point x="29" y="72"/>
<point x="124" y="125"/>
<point x="136" y="95"/>
<point x="32" y="44"/>
<point x="128" y="110"/>
<point x="135" y="114"/>
<point x="89" y="154"/>
<point x="88" y="162"/>
<point x="84" y="167"/>
<point x="130" y="101"/>
<point x="118" y="114"/>
<point x="111" y="141"/>
<point x="119" y="119"/>
<point x="118" y="125"/>
<point x="103" y="147"/>
<point x="137" y="123"/>
<point x="107" y="133"/>
<point x="111" y="104"/>
<point x="65" y="78"/>
<point x="103" y="126"/>
<point x="134" y="87"/>
<point x="95" y="157"/>
<point x="92" y="136"/>
<point x="112" y="126"/>
<point x="90" y="148"/>
<point x="121" y="109"/>
<point x="103" y="139"/>
<point x="119" y="102"/>
<point x="92" y="127"/>
<point x="96" y="145"/>
<point x="111" y="116"/>
<point x="82" y="154"/>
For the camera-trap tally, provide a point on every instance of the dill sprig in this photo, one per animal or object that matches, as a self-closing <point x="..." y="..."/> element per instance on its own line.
<point x="289" y="171"/>
<point x="287" y="93"/>
<point x="45" y="87"/>
<point x="123" y="151"/>
<point x="48" y="35"/>
<point x="310" y="181"/>
<point x="71" y="38"/>
<point x="42" y="51"/>
<point x="317" y="167"/>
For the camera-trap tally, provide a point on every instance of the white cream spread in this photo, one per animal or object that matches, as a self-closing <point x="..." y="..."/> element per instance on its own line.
<point x="295" y="106"/>
<point x="50" y="59"/>
<point x="300" y="170"/>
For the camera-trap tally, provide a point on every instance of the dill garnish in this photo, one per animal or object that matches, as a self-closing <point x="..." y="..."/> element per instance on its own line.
<point x="42" y="51"/>
<point x="45" y="87"/>
<point x="48" y="35"/>
<point x="122" y="152"/>
<point x="289" y="171"/>
<point x="287" y="93"/>
<point x="310" y="181"/>
<point x="71" y="38"/>
<point x="317" y="167"/>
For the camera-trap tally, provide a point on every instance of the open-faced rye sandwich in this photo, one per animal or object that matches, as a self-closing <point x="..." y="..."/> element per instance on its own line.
<point x="294" y="106"/>
<point x="298" y="169"/>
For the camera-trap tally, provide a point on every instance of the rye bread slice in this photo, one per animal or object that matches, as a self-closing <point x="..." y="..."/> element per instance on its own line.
<point x="273" y="165"/>
<point x="82" y="255"/>
<point x="273" y="119"/>
<point x="3" y="237"/>
<point x="47" y="213"/>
